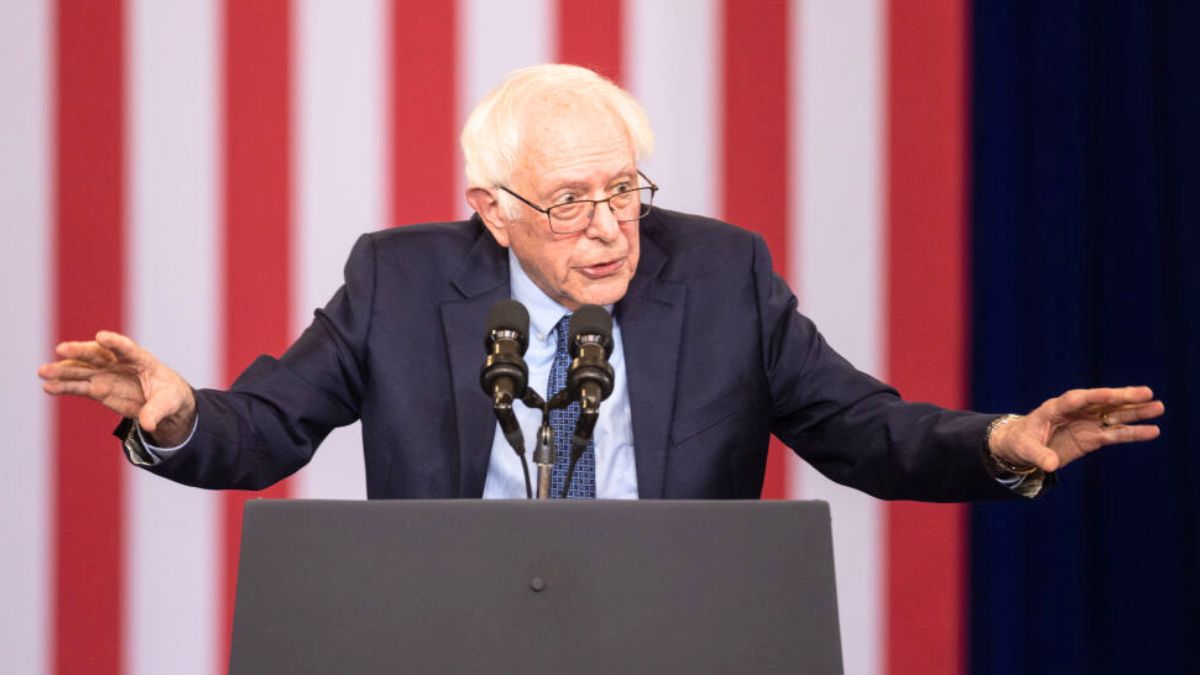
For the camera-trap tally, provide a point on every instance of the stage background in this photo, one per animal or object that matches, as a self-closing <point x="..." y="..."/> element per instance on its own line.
<point x="1086" y="229"/>
<point x="983" y="205"/>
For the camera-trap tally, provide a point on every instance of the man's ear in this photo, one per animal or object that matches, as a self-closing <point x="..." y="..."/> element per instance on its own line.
<point x="488" y="207"/>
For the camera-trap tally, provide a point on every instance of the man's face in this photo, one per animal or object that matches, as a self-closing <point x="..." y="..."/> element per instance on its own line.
<point x="573" y="151"/>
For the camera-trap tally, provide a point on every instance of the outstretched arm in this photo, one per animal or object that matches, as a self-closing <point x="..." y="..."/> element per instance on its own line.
<point x="265" y="427"/>
<point x="127" y="379"/>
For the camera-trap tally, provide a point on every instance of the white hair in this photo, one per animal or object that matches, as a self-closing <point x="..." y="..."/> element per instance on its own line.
<point x="491" y="138"/>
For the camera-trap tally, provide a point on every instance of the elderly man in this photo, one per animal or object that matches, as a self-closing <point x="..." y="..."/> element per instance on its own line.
<point x="710" y="354"/>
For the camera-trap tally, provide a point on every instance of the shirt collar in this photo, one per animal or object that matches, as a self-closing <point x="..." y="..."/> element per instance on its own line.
<point x="544" y="312"/>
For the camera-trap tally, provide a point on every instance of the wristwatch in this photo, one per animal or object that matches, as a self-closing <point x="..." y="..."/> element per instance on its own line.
<point x="997" y="466"/>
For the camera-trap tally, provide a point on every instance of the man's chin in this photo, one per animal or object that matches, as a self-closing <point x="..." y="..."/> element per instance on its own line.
<point x="603" y="292"/>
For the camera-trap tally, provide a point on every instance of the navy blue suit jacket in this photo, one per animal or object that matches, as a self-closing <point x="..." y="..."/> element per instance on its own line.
<point x="717" y="357"/>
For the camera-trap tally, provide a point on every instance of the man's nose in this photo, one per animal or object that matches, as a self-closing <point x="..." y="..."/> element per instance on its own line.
<point x="604" y="225"/>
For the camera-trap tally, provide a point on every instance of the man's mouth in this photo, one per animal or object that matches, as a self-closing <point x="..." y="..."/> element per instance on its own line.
<point x="604" y="269"/>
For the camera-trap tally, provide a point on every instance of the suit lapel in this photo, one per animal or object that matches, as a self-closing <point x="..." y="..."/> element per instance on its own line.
<point x="651" y="321"/>
<point x="482" y="281"/>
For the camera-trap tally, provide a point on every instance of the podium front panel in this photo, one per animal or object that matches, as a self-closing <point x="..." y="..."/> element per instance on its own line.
<point x="517" y="586"/>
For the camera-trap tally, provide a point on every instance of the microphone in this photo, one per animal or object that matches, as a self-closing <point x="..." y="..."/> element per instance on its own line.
<point x="590" y="376"/>
<point x="505" y="374"/>
<point x="505" y="377"/>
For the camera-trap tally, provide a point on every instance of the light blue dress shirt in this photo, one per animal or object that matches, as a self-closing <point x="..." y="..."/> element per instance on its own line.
<point x="616" y="471"/>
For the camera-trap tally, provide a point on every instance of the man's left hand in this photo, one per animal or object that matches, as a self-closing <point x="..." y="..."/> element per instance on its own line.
<point x="1065" y="428"/>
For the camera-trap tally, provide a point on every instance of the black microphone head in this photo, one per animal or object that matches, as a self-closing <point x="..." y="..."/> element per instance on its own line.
<point x="592" y="320"/>
<point x="508" y="315"/>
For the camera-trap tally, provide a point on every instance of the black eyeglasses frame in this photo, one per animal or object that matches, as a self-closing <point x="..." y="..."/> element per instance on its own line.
<point x="651" y="185"/>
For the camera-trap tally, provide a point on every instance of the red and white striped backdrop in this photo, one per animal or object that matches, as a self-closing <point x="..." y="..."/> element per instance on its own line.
<point x="193" y="172"/>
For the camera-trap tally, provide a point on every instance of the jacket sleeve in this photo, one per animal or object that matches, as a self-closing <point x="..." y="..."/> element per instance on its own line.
<point x="855" y="429"/>
<point x="269" y="423"/>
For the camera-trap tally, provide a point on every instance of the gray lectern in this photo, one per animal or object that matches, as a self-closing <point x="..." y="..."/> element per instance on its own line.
<point x="536" y="587"/>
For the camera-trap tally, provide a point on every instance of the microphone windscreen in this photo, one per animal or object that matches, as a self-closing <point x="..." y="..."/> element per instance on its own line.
<point x="512" y="316"/>
<point x="592" y="320"/>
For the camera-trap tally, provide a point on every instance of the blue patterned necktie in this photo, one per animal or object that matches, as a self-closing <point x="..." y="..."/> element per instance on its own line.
<point x="583" y="483"/>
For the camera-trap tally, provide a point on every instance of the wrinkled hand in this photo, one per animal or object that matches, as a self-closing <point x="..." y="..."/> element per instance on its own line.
<point x="1080" y="421"/>
<point x="126" y="379"/>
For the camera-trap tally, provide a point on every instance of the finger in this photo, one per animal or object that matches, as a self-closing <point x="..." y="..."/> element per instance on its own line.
<point x="1118" y="395"/>
<point x="88" y="352"/>
<point x="123" y="347"/>
<point x="1081" y="399"/>
<point x="67" y="370"/>
<point x="60" y="388"/>
<point x="1136" y="412"/>
<point x="48" y="371"/>
<point x="1129" y="434"/>
<point x="1034" y="452"/>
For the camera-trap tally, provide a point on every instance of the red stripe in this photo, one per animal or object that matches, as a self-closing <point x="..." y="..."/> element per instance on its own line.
<point x="257" y="221"/>
<point x="927" y="315"/>
<point x="755" y="145"/>
<point x="589" y="34"/>
<point x="90" y="258"/>
<point x="424" y="111"/>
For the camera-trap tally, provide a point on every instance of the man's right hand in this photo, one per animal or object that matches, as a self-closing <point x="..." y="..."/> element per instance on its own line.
<point x="128" y="380"/>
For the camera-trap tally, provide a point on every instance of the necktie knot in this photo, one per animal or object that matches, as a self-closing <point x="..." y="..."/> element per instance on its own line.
<point x="562" y="330"/>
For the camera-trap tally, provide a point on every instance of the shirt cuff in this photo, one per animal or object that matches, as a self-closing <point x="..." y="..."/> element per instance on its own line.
<point x="1028" y="486"/>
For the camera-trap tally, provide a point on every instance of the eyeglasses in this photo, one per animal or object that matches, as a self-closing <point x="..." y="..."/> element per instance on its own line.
<point x="576" y="215"/>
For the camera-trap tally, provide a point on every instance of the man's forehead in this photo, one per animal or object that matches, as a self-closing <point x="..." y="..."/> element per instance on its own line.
<point x="569" y="118"/>
<point x="572" y="141"/>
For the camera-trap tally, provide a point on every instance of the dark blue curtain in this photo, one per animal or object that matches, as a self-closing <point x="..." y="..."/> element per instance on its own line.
<point x="1086" y="272"/>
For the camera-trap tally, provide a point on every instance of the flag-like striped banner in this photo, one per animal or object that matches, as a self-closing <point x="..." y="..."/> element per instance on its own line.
<point x="194" y="172"/>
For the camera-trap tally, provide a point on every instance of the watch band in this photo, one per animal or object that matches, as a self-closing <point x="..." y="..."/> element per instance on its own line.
<point x="1001" y="468"/>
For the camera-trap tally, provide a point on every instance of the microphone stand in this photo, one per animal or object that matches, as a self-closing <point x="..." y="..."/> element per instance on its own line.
<point x="543" y="451"/>
<point x="543" y="455"/>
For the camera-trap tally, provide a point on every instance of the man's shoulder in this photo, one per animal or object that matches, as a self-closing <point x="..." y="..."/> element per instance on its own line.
<point x="425" y="239"/>
<point x="426" y="258"/>
<point x="691" y="241"/>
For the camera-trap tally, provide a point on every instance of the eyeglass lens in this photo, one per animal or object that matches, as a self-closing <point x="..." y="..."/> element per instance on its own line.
<point x="625" y="206"/>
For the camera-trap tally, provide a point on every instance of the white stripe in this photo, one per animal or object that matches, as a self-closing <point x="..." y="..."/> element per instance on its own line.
<point x="25" y="211"/>
<point x="837" y="153"/>
<point x="340" y="54"/>
<point x="173" y="276"/>
<point x="495" y="38"/>
<point x="672" y="61"/>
